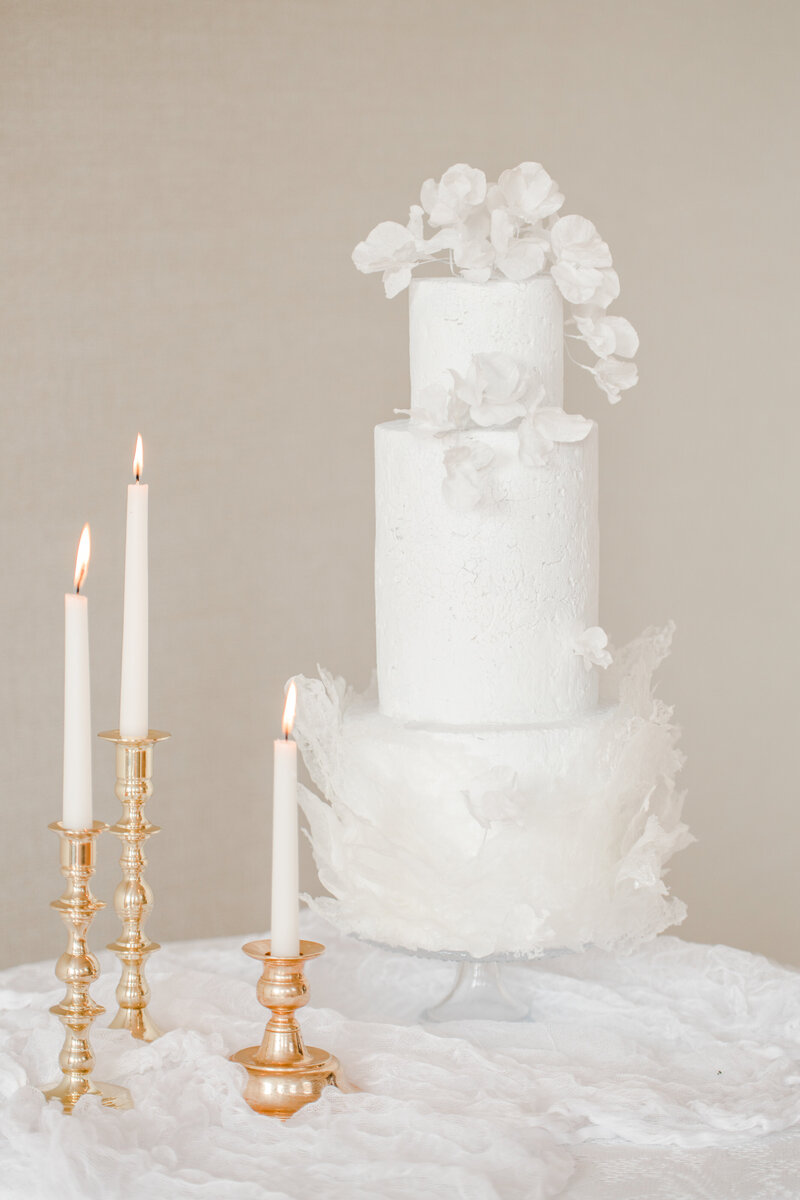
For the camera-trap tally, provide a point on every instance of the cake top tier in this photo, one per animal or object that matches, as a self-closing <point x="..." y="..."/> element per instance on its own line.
<point x="513" y="231"/>
<point x="454" y="324"/>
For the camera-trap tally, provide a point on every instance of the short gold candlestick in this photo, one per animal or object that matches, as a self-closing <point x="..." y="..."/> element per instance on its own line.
<point x="133" y="898"/>
<point x="78" y="969"/>
<point x="283" y="1073"/>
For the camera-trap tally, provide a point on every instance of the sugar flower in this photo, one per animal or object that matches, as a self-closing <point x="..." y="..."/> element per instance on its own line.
<point x="516" y="257"/>
<point x="527" y="192"/>
<point x="492" y="389"/>
<point x="613" y="376"/>
<point x="460" y="189"/>
<point x="581" y="259"/>
<point x="606" y="335"/>
<point x="439" y="409"/>
<point x="389" y="248"/>
<point x="510" y="230"/>
<point x="543" y="425"/>
<point x="592" y="645"/>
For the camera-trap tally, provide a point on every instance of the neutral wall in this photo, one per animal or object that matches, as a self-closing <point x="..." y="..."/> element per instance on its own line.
<point x="183" y="181"/>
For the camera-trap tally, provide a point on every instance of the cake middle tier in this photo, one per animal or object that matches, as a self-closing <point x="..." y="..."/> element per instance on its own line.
<point x="478" y="612"/>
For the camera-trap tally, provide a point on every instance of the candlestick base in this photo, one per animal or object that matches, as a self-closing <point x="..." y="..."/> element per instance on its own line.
<point x="284" y="1074"/>
<point x="77" y="968"/>
<point x="133" y="898"/>
<point x="111" y="1095"/>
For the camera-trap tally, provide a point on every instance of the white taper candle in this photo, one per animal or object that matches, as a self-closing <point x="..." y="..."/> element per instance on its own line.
<point x="77" y="786"/>
<point x="133" y="705"/>
<point x="285" y="886"/>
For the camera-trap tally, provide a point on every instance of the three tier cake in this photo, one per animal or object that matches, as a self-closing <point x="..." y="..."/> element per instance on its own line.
<point x="487" y="796"/>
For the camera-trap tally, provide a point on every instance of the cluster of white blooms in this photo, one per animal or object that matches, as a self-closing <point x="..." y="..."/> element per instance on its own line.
<point x="511" y="230"/>
<point x="495" y="391"/>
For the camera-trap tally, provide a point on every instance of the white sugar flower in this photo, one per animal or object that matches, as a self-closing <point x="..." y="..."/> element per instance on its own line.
<point x="528" y="192"/>
<point x="592" y="645"/>
<point x="575" y="239"/>
<point x="492" y="389"/>
<point x="607" y="289"/>
<point x="517" y="257"/>
<point x="439" y="410"/>
<point x="396" y="249"/>
<point x="461" y="189"/>
<point x="544" y="424"/>
<point x="613" y="376"/>
<point x="474" y="257"/>
<point x="582" y="259"/>
<point x="466" y="475"/>
<point x="392" y="249"/>
<point x="606" y="335"/>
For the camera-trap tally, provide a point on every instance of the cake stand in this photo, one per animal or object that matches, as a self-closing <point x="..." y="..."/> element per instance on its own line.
<point x="480" y="991"/>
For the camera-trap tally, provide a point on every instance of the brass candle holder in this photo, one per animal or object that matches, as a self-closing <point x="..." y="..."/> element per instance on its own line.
<point x="78" y="969"/>
<point x="133" y="898"/>
<point x="283" y="1073"/>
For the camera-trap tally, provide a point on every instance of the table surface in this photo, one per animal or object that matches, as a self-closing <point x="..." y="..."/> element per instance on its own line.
<point x="668" y="1074"/>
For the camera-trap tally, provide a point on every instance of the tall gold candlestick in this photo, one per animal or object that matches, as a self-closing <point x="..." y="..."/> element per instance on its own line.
<point x="78" y="968"/>
<point x="133" y="898"/>
<point x="283" y="1073"/>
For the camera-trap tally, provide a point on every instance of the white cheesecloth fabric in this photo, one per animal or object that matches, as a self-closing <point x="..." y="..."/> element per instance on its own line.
<point x="674" y="1072"/>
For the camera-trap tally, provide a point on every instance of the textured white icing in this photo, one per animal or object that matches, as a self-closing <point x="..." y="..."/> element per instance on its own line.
<point x="477" y="612"/>
<point x="452" y="319"/>
<point x="497" y="841"/>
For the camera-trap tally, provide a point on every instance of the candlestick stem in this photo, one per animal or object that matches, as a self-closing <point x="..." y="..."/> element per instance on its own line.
<point x="133" y="898"/>
<point x="77" y="968"/>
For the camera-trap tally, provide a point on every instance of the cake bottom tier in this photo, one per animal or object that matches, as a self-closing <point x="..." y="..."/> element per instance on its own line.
<point x="508" y="841"/>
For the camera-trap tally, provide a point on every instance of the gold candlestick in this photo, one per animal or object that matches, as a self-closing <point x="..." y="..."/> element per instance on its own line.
<point x="283" y="1073"/>
<point x="133" y="898"/>
<point x="78" y="968"/>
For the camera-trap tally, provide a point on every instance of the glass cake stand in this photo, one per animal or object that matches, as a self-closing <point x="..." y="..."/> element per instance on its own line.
<point x="480" y="991"/>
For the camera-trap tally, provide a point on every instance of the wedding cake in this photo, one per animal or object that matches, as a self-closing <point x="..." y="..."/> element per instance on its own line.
<point x="487" y="796"/>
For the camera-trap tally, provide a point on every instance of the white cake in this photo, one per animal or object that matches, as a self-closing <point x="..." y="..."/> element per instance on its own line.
<point x="477" y="612"/>
<point x="482" y="799"/>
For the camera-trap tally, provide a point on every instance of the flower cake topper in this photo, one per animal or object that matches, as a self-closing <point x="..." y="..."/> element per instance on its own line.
<point x="511" y="230"/>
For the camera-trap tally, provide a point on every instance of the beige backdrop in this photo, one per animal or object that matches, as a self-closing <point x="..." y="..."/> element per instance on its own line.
<point x="182" y="184"/>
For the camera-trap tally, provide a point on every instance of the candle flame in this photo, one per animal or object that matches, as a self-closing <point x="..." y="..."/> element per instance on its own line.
<point x="289" y="709"/>
<point x="138" y="458"/>
<point x="82" y="559"/>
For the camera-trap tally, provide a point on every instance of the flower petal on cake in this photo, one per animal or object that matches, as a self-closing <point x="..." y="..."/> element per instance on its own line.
<point x="592" y="645"/>
<point x="461" y="189"/>
<point x="577" y="284"/>
<point x="434" y="411"/>
<point x="606" y="335"/>
<point x="492" y="389"/>
<point x="391" y="248"/>
<point x="574" y="239"/>
<point x="387" y="244"/>
<point x="529" y="192"/>
<point x="613" y="376"/>
<point x="560" y="426"/>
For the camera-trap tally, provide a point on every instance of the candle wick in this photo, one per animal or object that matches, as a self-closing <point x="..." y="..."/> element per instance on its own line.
<point x="137" y="476"/>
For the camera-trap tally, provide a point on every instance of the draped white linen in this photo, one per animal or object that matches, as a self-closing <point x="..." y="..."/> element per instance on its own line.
<point x="674" y="1072"/>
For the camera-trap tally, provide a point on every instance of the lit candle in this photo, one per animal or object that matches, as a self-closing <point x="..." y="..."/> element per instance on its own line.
<point x="77" y="795"/>
<point x="285" y="887"/>
<point x="133" y="714"/>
